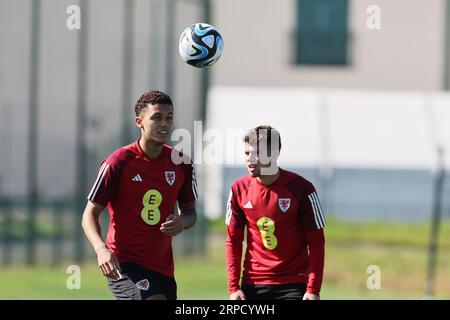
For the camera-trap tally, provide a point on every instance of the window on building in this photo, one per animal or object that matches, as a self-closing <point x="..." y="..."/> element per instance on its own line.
<point x="321" y="33"/>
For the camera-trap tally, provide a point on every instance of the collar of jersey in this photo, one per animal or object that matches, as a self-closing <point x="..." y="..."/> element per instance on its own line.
<point x="270" y="185"/>
<point x="143" y="154"/>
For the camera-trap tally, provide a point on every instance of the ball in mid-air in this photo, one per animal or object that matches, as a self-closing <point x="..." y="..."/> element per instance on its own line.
<point x="200" y="45"/>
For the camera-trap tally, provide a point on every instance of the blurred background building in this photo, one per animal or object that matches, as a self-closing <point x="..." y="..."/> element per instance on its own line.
<point x="267" y="47"/>
<point x="353" y="87"/>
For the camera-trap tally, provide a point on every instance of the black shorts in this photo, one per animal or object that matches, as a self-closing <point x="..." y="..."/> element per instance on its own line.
<point x="291" y="291"/>
<point x="139" y="283"/>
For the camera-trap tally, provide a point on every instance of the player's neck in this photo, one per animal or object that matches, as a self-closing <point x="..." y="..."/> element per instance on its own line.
<point x="268" y="180"/>
<point x="151" y="148"/>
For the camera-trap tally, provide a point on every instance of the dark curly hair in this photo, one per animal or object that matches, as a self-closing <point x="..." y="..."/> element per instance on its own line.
<point x="152" y="97"/>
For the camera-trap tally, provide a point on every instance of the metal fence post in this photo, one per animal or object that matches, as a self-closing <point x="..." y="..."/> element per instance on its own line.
<point x="33" y="119"/>
<point x="81" y="154"/>
<point x="127" y="68"/>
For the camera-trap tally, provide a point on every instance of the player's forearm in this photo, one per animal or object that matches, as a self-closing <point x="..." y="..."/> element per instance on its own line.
<point x="316" y="244"/>
<point x="92" y="229"/>
<point x="189" y="217"/>
<point x="233" y="254"/>
<point x="233" y="262"/>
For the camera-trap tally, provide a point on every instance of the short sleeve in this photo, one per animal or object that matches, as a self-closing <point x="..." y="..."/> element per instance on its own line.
<point x="189" y="189"/>
<point x="106" y="184"/>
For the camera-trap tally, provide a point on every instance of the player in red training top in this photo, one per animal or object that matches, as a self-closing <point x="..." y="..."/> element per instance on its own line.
<point x="284" y="220"/>
<point x="141" y="183"/>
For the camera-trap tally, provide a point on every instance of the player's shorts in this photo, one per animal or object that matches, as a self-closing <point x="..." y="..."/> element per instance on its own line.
<point x="291" y="291"/>
<point x="139" y="283"/>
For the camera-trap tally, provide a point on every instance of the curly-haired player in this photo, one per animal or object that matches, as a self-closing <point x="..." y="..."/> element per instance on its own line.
<point x="141" y="184"/>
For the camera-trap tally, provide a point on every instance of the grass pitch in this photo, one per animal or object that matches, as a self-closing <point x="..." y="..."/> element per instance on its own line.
<point x="400" y="250"/>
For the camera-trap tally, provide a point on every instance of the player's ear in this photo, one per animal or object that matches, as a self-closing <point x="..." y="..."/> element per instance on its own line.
<point x="139" y="123"/>
<point x="276" y="154"/>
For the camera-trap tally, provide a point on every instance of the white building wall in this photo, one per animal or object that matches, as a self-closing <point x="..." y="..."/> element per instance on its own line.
<point x="405" y="54"/>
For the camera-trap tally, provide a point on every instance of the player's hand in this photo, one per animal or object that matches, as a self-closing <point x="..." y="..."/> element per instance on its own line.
<point x="172" y="226"/>
<point x="310" y="296"/>
<point x="108" y="263"/>
<point x="237" y="295"/>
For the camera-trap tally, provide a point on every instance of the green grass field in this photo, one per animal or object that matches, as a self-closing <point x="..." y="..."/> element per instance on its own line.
<point x="400" y="250"/>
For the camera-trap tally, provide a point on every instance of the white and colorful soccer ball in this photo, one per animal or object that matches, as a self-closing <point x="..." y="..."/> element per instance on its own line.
<point x="200" y="45"/>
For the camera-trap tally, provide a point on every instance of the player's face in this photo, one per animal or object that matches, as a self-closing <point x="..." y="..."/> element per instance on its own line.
<point x="255" y="164"/>
<point x="156" y="122"/>
<point x="252" y="161"/>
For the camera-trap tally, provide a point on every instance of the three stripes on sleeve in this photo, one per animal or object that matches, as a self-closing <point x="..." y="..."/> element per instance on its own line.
<point x="101" y="174"/>
<point x="317" y="210"/>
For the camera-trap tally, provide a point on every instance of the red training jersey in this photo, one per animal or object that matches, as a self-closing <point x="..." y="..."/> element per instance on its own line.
<point x="140" y="193"/>
<point x="285" y="239"/>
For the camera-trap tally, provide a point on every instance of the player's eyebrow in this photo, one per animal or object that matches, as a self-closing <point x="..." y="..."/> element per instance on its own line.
<point x="161" y="114"/>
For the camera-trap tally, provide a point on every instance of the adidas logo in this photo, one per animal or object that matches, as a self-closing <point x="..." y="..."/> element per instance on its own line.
<point x="248" y="205"/>
<point x="137" y="178"/>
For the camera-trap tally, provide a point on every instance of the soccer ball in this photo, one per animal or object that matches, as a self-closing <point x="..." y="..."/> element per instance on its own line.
<point x="200" y="45"/>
